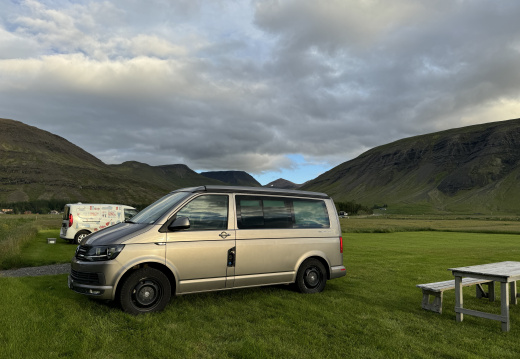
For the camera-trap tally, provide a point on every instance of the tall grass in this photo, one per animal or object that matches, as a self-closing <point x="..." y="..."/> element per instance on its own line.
<point x="17" y="231"/>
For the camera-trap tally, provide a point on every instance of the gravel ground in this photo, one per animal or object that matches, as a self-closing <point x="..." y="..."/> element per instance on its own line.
<point x="37" y="271"/>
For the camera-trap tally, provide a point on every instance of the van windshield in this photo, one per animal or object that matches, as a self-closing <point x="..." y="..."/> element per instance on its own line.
<point x="156" y="210"/>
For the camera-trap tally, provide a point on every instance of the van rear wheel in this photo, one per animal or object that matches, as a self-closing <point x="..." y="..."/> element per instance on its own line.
<point x="311" y="277"/>
<point x="145" y="290"/>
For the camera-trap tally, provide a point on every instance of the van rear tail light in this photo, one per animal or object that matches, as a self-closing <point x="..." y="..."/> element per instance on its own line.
<point x="341" y="244"/>
<point x="71" y="220"/>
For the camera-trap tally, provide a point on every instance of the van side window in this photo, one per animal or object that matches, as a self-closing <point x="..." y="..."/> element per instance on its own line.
<point x="277" y="214"/>
<point x="310" y="214"/>
<point x="271" y="212"/>
<point x="252" y="213"/>
<point x="207" y="212"/>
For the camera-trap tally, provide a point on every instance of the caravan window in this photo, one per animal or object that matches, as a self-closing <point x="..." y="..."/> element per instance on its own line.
<point x="273" y="212"/>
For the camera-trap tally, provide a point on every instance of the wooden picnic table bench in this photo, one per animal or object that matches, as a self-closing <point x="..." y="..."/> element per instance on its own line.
<point x="437" y="289"/>
<point x="506" y="273"/>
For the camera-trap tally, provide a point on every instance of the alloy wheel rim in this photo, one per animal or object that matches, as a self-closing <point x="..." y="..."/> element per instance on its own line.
<point x="146" y="293"/>
<point x="312" y="277"/>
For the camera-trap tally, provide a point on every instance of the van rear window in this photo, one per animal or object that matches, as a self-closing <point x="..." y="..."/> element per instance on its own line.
<point x="270" y="212"/>
<point x="310" y="214"/>
<point x="66" y="211"/>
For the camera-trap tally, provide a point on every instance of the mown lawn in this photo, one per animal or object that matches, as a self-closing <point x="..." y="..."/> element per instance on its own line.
<point x="373" y="312"/>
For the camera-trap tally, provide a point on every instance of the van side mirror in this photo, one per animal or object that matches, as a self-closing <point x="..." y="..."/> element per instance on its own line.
<point x="179" y="223"/>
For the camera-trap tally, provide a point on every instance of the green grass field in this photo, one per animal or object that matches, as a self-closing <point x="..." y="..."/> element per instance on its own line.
<point x="373" y="312"/>
<point x="395" y="223"/>
<point x="20" y="233"/>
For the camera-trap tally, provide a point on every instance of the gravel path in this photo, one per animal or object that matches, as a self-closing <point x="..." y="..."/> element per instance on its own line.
<point x="37" y="271"/>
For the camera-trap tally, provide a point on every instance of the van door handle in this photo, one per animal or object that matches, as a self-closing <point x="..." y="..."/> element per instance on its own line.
<point x="224" y="235"/>
<point x="231" y="256"/>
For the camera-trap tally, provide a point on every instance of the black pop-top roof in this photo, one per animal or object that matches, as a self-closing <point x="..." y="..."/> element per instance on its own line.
<point x="254" y="190"/>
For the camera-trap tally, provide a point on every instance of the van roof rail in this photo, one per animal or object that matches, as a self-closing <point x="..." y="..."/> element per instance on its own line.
<point x="255" y="190"/>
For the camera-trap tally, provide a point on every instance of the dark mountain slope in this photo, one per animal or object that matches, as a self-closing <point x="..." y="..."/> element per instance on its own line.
<point x="37" y="165"/>
<point x="166" y="176"/>
<point x="469" y="169"/>
<point x="234" y="178"/>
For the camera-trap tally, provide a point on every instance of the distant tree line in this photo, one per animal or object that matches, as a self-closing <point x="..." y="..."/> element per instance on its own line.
<point x="353" y="208"/>
<point x="37" y="206"/>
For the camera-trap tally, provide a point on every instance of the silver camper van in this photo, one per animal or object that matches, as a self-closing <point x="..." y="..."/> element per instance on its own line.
<point x="212" y="238"/>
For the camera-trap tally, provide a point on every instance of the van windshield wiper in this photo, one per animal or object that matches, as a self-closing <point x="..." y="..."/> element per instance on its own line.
<point x="129" y="221"/>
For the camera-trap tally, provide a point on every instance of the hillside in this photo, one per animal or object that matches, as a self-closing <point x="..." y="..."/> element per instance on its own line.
<point x="473" y="169"/>
<point x="233" y="178"/>
<point x="37" y="165"/>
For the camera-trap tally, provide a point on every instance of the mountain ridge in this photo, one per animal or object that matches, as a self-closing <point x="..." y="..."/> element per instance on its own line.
<point x="467" y="169"/>
<point x="472" y="169"/>
<point x="38" y="165"/>
<point x="234" y="178"/>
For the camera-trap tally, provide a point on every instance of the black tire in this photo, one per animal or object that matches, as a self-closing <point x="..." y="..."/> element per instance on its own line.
<point x="80" y="235"/>
<point x="145" y="290"/>
<point x="311" y="277"/>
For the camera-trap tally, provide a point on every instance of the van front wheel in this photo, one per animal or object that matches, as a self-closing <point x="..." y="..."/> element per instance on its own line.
<point x="145" y="290"/>
<point x="311" y="277"/>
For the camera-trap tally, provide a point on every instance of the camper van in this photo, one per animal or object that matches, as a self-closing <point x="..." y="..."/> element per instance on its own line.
<point x="82" y="219"/>
<point x="212" y="238"/>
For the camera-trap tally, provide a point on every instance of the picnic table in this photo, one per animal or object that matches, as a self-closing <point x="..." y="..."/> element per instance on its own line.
<point x="503" y="272"/>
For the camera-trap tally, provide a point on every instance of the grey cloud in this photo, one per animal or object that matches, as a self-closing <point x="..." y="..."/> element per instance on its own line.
<point x="410" y="69"/>
<point x="234" y="86"/>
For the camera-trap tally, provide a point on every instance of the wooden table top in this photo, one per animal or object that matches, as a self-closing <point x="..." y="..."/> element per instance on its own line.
<point x="506" y="269"/>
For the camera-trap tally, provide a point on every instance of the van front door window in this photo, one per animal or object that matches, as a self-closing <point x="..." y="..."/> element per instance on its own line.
<point x="208" y="212"/>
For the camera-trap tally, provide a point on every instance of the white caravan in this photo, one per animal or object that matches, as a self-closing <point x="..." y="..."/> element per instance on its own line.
<point x="82" y="219"/>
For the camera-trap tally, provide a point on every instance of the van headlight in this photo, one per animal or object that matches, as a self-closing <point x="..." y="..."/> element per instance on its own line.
<point x="102" y="253"/>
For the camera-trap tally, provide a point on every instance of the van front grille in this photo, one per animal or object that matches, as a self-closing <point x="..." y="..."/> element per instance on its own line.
<point x="86" y="278"/>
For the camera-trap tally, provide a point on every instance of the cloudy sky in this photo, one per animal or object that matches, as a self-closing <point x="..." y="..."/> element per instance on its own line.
<point x="275" y="88"/>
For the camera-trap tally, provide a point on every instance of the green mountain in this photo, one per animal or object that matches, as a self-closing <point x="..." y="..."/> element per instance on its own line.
<point x="233" y="178"/>
<point x="474" y="169"/>
<point x="37" y="165"/>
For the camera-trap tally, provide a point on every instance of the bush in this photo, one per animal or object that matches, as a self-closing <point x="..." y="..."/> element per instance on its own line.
<point x="353" y="208"/>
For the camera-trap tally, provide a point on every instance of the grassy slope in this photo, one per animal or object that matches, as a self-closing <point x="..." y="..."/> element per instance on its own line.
<point x="35" y="164"/>
<point x="406" y="174"/>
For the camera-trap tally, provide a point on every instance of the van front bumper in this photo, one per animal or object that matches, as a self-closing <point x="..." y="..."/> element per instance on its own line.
<point x="95" y="279"/>
<point x="98" y="291"/>
<point x="337" y="272"/>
